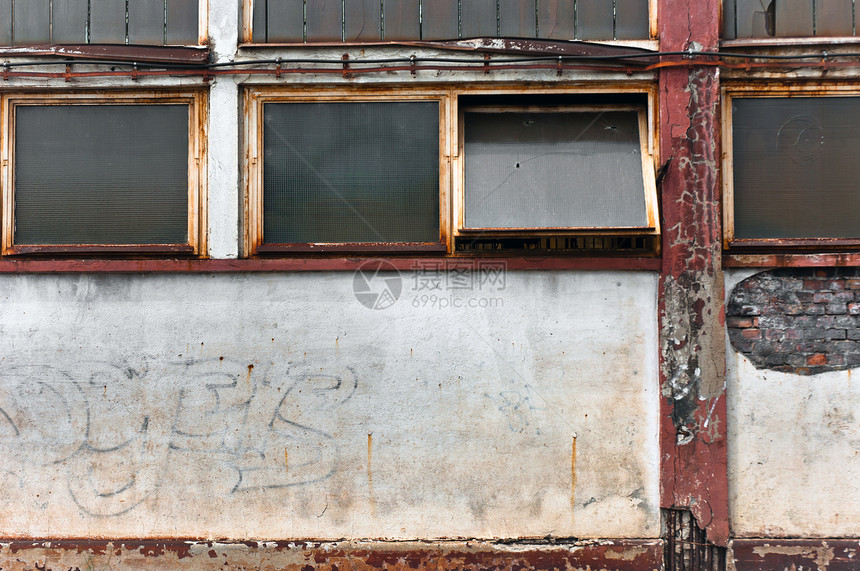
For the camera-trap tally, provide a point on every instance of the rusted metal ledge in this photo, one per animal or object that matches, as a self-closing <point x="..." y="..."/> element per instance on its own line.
<point x="315" y="264"/>
<point x="170" y="554"/>
<point x="848" y="259"/>
<point x="806" y="554"/>
<point x="165" y="54"/>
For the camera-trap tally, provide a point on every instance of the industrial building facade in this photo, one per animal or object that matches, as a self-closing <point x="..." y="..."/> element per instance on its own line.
<point x="414" y="284"/>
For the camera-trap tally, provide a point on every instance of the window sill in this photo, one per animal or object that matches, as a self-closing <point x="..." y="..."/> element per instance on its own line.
<point x="807" y="260"/>
<point x="403" y="263"/>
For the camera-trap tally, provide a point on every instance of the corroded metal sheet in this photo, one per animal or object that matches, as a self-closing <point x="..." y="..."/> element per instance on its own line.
<point x="182" y="22"/>
<point x="834" y="18"/>
<point x="31" y="22"/>
<point x="362" y="20"/>
<point x="146" y="22"/>
<point x="478" y="19"/>
<point x="631" y="19"/>
<point x="107" y="21"/>
<point x="401" y="20"/>
<point x="794" y="18"/>
<point x="288" y="423"/>
<point x="517" y="18"/>
<point x="323" y="21"/>
<point x="439" y="20"/>
<point x="285" y="22"/>
<point x="595" y="20"/>
<point x="70" y="22"/>
<point x="607" y="555"/>
<point x="556" y="19"/>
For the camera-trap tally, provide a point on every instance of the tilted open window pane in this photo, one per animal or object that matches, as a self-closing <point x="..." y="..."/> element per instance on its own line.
<point x="796" y="168"/>
<point x="351" y="172"/>
<point x="553" y="169"/>
<point x="101" y="174"/>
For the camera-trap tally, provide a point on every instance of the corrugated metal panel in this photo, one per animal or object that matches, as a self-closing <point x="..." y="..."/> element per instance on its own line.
<point x="5" y="22"/>
<point x="362" y="20"/>
<point x="146" y="22"/>
<point x="834" y="18"/>
<point x="107" y="24"/>
<point x="594" y="20"/>
<point x="32" y="22"/>
<point x="259" y="24"/>
<point x="401" y="20"/>
<point x="752" y="19"/>
<point x="439" y="20"/>
<point x="182" y="22"/>
<point x="729" y="19"/>
<point x="285" y="22"/>
<point x="517" y="18"/>
<point x="69" y="22"/>
<point x="478" y="18"/>
<point x="631" y="19"/>
<point x="556" y="19"/>
<point x="324" y="23"/>
<point x="794" y="18"/>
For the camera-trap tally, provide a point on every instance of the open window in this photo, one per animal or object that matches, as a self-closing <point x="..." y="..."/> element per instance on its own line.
<point x="791" y="168"/>
<point x="97" y="173"/>
<point x="555" y="171"/>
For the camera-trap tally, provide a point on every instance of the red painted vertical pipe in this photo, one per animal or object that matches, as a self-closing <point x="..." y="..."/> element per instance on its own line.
<point x="692" y="338"/>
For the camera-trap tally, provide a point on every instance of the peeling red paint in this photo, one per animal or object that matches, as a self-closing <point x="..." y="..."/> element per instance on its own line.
<point x="691" y="309"/>
<point x="807" y="554"/>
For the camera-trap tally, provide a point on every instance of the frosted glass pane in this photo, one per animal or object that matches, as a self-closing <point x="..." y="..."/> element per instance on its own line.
<point x="796" y="173"/>
<point x="351" y="172"/>
<point x="101" y="174"/>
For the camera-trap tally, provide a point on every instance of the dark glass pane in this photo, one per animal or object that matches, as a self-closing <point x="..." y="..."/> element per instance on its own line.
<point x="101" y="174"/>
<point x="351" y="172"/>
<point x="554" y="170"/>
<point x="796" y="172"/>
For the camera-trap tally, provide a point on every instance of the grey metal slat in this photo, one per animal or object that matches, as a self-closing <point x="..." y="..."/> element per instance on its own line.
<point x="31" y="22"/>
<point x="258" y="22"/>
<point x="362" y="20"/>
<point x="439" y="20"/>
<point x="401" y="20"/>
<point x="517" y="18"/>
<point x="5" y="22"/>
<point x="556" y="19"/>
<point x="594" y="20"/>
<point x="478" y="18"/>
<point x="631" y="20"/>
<point x="794" y="18"/>
<point x="324" y="23"/>
<point x="729" y="19"/>
<point x="285" y="21"/>
<point x="107" y="21"/>
<point x="751" y="19"/>
<point x="834" y="18"/>
<point x="182" y="22"/>
<point x="146" y="22"/>
<point x="69" y="22"/>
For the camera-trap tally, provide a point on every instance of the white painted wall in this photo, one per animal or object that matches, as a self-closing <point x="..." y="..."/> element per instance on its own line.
<point x="120" y="418"/>
<point x="794" y="449"/>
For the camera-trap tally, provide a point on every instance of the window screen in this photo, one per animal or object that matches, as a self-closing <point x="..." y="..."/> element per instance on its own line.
<point x="101" y="174"/>
<point x="344" y="172"/>
<point x="561" y="169"/>
<point x="796" y="167"/>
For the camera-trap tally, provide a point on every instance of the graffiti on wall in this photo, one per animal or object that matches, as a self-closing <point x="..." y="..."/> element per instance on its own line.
<point x="113" y="429"/>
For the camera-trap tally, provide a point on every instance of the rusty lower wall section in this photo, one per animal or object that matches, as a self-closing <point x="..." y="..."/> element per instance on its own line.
<point x="608" y="555"/>
<point x="806" y="554"/>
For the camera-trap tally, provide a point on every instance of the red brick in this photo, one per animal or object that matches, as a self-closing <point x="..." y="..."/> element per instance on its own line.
<point x="854" y="308"/>
<point x="852" y="284"/>
<point x="751" y="333"/>
<point x="814" y="284"/>
<point x="741" y="322"/>
<point x="822" y="297"/>
<point x="819" y="359"/>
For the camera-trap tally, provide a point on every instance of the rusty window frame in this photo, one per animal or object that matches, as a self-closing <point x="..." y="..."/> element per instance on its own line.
<point x="766" y="90"/>
<point x="648" y="148"/>
<point x="254" y="100"/>
<point x="247" y="35"/>
<point x="197" y="104"/>
<point x="451" y="163"/>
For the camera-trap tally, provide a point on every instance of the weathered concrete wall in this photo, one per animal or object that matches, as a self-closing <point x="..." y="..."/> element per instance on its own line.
<point x="794" y="449"/>
<point x="278" y="406"/>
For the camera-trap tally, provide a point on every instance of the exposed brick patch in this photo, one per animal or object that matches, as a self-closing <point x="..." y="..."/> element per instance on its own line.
<point x="804" y="321"/>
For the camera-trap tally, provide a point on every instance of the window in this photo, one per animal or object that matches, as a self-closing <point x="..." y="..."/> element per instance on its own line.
<point x="142" y="22"/>
<point x="455" y="171"/>
<point x="92" y="173"/>
<point x="788" y="18"/>
<point x="297" y="21"/>
<point x="792" y="169"/>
